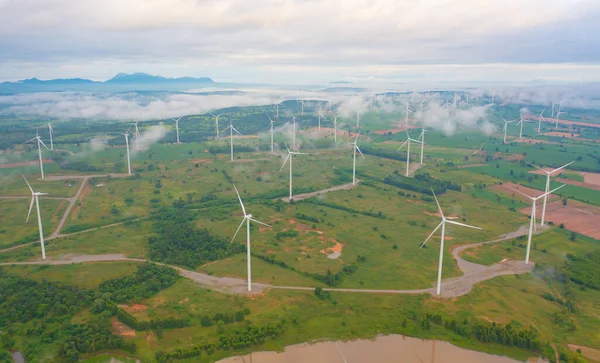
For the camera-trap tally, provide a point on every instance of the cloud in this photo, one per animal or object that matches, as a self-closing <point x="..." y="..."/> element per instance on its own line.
<point x="149" y="137"/>
<point x="270" y="39"/>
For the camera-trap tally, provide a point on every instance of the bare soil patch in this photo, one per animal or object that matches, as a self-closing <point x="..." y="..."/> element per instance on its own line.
<point x="469" y="165"/>
<point x="576" y="216"/>
<point x="399" y="128"/>
<point x="135" y="308"/>
<point x="568" y="135"/>
<point x="87" y="189"/>
<point x="526" y="140"/>
<point x="587" y="352"/>
<point x="26" y="163"/>
<point x="201" y="161"/>
<point x="121" y="329"/>
<point x="505" y="188"/>
<point x="591" y="178"/>
<point x="563" y="122"/>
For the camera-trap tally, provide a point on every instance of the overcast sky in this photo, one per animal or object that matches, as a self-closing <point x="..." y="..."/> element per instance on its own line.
<point x="301" y="41"/>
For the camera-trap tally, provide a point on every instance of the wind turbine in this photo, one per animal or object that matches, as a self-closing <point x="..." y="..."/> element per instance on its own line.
<point x="358" y="117"/>
<point x="247" y="219"/>
<point x="532" y="221"/>
<point x="40" y="143"/>
<point x="372" y="99"/>
<point x="335" y="128"/>
<point x="355" y="149"/>
<point x="443" y="225"/>
<point x="408" y="140"/>
<point x="422" y="138"/>
<point x="34" y="198"/>
<point x="293" y="129"/>
<point x="177" y="127"/>
<point x="137" y="135"/>
<point x="302" y="108"/>
<point x="557" y="116"/>
<point x="231" y="130"/>
<point x="521" y="123"/>
<point x="271" y="125"/>
<point x="290" y="154"/>
<point x="408" y="110"/>
<point x="506" y="127"/>
<point x="51" y="132"/>
<point x="548" y="175"/>
<point x="320" y="114"/>
<point x="127" y="146"/>
<point x="540" y="120"/>
<point x="217" y="122"/>
<point x="553" y="106"/>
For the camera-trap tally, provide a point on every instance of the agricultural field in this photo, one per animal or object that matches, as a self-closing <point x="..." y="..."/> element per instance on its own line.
<point x="179" y="208"/>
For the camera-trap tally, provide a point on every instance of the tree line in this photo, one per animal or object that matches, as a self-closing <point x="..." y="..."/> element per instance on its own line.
<point x="421" y="183"/>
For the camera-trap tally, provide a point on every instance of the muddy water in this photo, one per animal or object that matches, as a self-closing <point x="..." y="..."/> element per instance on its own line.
<point x="384" y="349"/>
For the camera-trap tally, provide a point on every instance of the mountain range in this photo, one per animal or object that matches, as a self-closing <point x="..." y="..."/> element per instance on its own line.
<point x="122" y="82"/>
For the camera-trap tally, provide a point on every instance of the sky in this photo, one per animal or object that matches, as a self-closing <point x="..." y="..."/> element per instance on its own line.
<point x="303" y="41"/>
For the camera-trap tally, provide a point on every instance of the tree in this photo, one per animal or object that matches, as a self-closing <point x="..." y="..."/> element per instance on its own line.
<point x="573" y="236"/>
<point x="564" y="201"/>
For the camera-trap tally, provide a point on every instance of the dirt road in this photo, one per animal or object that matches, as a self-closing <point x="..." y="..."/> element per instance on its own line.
<point x="453" y="287"/>
<point x="314" y="194"/>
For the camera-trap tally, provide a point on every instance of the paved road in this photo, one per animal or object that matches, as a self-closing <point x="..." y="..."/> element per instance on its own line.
<point x="453" y="287"/>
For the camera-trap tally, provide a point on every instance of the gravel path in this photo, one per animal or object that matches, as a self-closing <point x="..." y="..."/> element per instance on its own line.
<point x="453" y="287"/>
<point x="314" y="194"/>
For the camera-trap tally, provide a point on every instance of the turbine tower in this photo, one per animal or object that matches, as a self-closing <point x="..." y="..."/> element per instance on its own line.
<point x="408" y="110"/>
<point x="293" y="130"/>
<point x="320" y="114"/>
<point x="271" y="125"/>
<point x="506" y="127"/>
<point x="217" y="122"/>
<point x="335" y="128"/>
<point x="137" y="135"/>
<point x="521" y="124"/>
<point x="34" y="198"/>
<point x="355" y="149"/>
<point x="127" y="146"/>
<point x="358" y="117"/>
<point x="231" y="130"/>
<point x="532" y="219"/>
<point x="548" y="175"/>
<point x="177" y="127"/>
<point x="408" y="140"/>
<point x="290" y="154"/>
<point x="247" y="218"/>
<point x="40" y="143"/>
<point x="422" y="138"/>
<point x="51" y="133"/>
<point x="443" y="225"/>
<point x="557" y="116"/>
<point x="540" y="120"/>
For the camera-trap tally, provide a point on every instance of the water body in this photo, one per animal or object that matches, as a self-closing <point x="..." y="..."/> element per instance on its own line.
<point x="18" y="357"/>
<point x="383" y="349"/>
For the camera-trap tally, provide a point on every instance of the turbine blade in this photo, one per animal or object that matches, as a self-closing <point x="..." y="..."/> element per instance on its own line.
<point x="462" y="224"/>
<point x="438" y="203"/>
<point x="30" y="207"/>
<point x="259" y="222"/>
<point x="552" y="191"/>
<point x="41" y="142"/>
<point x="240" y="199"/>
<point x="401" y="146"/>
<point x="358" y="149"/>
<point x="234" y="129"/>
<point x="286" y="147"/>
<point x="562" y="167"/>
<point x="513" y="189"/>
<point x="285" y="161"/>
<point x="238" y="229"/>
<point x="431" y="234"/>
<point x="537" y="167"/>
<point x="35" y="138"/>
<point x="29" y="185"/>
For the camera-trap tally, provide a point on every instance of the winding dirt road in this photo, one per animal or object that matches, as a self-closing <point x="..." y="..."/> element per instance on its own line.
<point x="453" y="287"/>
<point x="314" y="194"/>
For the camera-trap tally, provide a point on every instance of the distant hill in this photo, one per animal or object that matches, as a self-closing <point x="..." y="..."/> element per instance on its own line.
<point x="120" y="83"/>
<point x="340" y="82"/>
<point x="344" y="89"/>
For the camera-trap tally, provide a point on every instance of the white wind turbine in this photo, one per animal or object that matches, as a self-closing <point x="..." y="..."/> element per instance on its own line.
<point x="557" y="116"/>
<point x="521" y="124"/>
<point x="335" y="128"/>
<point x="422" y="138"/>
<point x="506" y="127"/>
<point x="358" y="117"/>
<point x="51" y="132"/>
<point x="217" y="122"/>
<point x="40" y="143"/>
<point x="247" y="219"/>
<point x="320" y="114"/>
<point x="290" y="154"/>
<point x="137" y="135"/>
<point x="553" y="107"/>
<point x="231" y="130"/>
<point x="177" y="127"/>
<point x="540" y="120"/>
<point x="34" y="198"/>
<point x="293" y="130"/>
<point x="407" y="111"/>
<point x="127" y="146"/>
<point x="302" y="108"/>
<point x="443" y="225"/>
<point x="532" y="221"/>
<point x="271" y="125"/>
<point x="548" y="175"/>
<point x="408" y="140"/>
<point x="355" y="149"/>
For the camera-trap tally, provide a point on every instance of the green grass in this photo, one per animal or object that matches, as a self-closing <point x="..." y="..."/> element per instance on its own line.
<point x="13" y="213"/>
